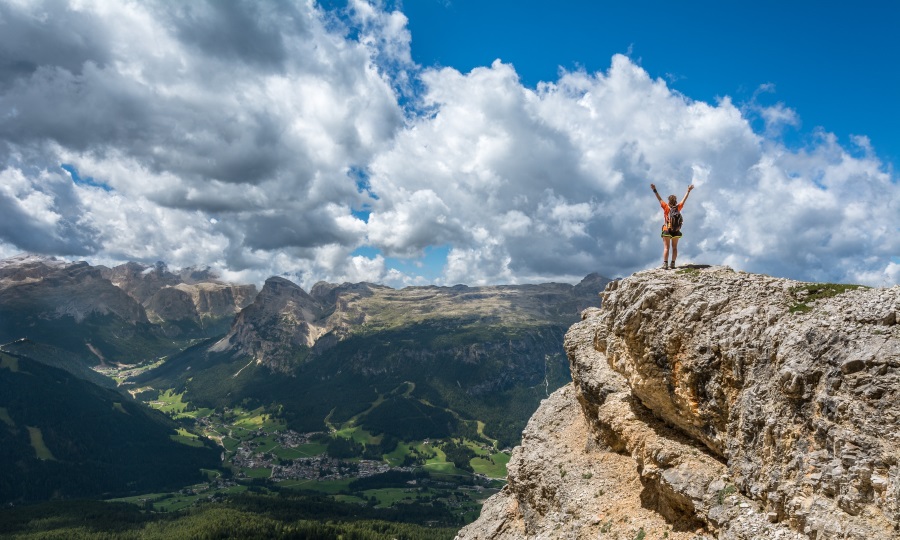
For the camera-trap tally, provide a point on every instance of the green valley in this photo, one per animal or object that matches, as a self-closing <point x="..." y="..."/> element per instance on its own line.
<point x="351" y="409"/>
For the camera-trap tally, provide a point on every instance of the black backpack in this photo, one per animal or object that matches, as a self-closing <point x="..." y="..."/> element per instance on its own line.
<point x="675" y="220"/>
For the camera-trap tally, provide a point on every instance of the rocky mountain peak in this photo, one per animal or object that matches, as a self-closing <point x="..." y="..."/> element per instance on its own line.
<point x="27" y="267"/>
<point x="192" y="295"/>
<point x="191" y="275"/>
<point x="140" y="281"/>
<point x="591" y="282"/>
<point x="281" y="324"/>
<point x="728" y="405"/>
<point x="47" y="288"/>
<point x="279" y="294"/>
<point x="328" y="293"/>
<point x="277" y="286"/>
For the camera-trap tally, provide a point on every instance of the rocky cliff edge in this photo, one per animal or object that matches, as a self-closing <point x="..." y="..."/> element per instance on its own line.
<point x="708" y="403"/>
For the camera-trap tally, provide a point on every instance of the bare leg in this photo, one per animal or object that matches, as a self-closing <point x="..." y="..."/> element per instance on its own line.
<point x="674" y="250"/>
<point x="666" y="250"/>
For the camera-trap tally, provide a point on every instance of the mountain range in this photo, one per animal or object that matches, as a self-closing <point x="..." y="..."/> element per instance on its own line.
<point x="435" y="360"/>
<point x="411" y="364"/>
<point x="122" y="315"/>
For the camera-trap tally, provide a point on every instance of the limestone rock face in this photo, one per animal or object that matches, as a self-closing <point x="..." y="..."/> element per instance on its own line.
<point x="125" y="314"/>
<point x="45" y="288"/>
<point x="191" y="295"/>
<point x="751" y="407"/>
<point x="139" y="280"/>
<point x="280" y="324"/>
<point x="215" y="299"/>
<point x="172" y="304"/>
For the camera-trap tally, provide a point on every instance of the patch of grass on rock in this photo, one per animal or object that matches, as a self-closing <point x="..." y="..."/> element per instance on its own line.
<point x="810" y="292"/>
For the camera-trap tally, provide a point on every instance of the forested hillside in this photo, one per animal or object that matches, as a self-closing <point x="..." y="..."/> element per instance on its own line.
<point x="63" y="437"/>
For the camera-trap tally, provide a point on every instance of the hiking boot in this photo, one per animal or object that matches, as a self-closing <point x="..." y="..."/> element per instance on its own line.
<point x="665" y="265"/>
<point x="672" y="266"/>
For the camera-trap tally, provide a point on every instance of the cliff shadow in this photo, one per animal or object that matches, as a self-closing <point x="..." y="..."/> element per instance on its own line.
<point x="656" y="495"/>
<point x="675" y="508"/>
<point x="665" y="431"/>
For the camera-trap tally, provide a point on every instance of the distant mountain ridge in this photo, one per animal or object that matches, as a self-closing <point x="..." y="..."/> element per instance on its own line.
<point x="53" y="290"/>
<point x="192" y="296"/>
<point x="285" y="322"/>
<point x="74" y="309"/>
<point x="122" y="315"/>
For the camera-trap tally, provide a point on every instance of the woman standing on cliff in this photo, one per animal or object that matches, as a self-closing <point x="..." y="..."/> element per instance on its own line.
<point x="671" y="230"/>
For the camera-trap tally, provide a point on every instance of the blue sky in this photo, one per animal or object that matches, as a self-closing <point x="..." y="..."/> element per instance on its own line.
<point x="834" y="63"/>
<point x="451" y="141"/>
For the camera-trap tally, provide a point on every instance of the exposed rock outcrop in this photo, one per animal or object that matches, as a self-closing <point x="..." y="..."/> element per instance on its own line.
<point x="191" y="295"/>
<point x="140" y="281"/>
<point x="69" y="313"/>
<point x="46" y="288"/>
<point x="278" y="328"/>
<point x="751" y="408"/>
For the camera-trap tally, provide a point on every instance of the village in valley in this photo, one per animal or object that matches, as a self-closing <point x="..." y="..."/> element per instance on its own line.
<point x="260" y="452"/>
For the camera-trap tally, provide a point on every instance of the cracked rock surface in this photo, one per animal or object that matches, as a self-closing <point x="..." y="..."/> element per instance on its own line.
<point x="709" y="403"/>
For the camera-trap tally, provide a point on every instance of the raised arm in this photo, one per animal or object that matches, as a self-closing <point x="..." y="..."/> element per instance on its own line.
<point x="653" y="187"/>
<point x="690" y="187"/>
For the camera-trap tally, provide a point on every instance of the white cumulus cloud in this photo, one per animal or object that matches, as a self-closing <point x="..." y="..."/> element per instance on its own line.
<point x="275" y="138"/>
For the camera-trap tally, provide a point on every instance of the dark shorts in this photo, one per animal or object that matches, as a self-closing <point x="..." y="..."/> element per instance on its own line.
<point x="670" y="234"/>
